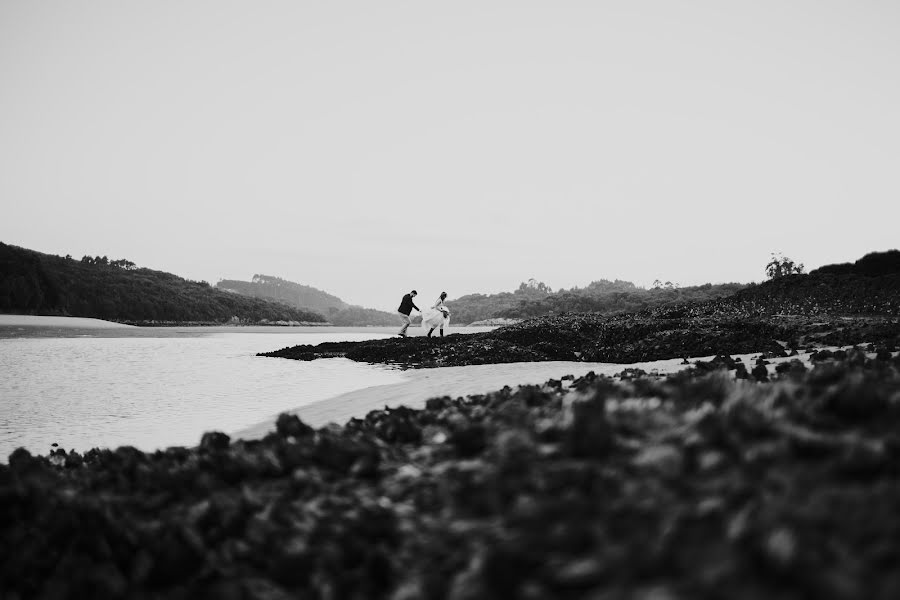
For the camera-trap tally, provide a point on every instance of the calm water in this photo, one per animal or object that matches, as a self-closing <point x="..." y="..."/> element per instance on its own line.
<point x="113" y="388"/>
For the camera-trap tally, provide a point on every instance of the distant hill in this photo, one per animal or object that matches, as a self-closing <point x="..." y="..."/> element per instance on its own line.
<point x="43" y="284"/>
<point x="333" y="309"/>
<point x="870" y="286"/>
<point x="534" y="299"/>
<point x="355" y="316"/>
<point x="871" y="265"/>
<point x="287" y="292"/>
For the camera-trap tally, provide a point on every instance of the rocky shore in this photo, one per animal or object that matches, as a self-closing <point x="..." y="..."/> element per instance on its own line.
<point x="651" y="335"/>
<point x="697" y="485"/>
<point x="839" y="305"/>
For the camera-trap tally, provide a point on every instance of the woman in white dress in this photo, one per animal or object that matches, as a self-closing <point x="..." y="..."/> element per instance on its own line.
<point x="438" y="316"/>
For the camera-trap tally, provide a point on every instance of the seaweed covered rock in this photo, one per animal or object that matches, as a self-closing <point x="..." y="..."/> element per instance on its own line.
<point x="628" y="338"/>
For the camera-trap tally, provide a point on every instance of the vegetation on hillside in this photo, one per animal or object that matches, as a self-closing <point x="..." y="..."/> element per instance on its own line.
<point x="534" y="299"/>
<point x="336" y="311"/>
<point x="287" y="292"/>
<point x="357" y="316"/>
<point x="870" y="286"/>
<point x="871" y="265"/>
<point x="780" y="266"/>
<point x="847" y="288"/>
<point x="43" y="284"/>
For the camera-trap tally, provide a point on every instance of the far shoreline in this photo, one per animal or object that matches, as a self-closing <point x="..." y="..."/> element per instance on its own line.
<point x="15" y="326"/>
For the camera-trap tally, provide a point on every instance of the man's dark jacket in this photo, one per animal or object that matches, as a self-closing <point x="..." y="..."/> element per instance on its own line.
<point x="406" y="305"/>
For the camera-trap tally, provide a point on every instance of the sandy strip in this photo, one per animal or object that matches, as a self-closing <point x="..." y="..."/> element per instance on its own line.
<point x="422" y="384"/>
<point x="60" y="322"/>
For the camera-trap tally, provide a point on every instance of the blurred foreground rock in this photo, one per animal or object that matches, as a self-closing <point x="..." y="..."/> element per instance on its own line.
<point x="697" y="485"/>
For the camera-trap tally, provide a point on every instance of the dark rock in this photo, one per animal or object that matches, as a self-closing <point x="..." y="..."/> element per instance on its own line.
<point x="589" y="434"/>
<point x="760" y="373"/>
<point x="664" y="459"/>
<point x="74" y="460"/>
<point x="469" y="440"/>
<point x="792" y="368"/>
<point x="821" y="355"/>
<point x="863" y="460"/>
<point x="214" y="441"/>
<point x="288" y="425"/>
<point x="21" y="459"/>
<point x="857" y="398"/>
<point x="398" y="426"/>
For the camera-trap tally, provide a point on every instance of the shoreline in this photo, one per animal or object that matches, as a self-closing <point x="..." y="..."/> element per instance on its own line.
<point x="468" y="380"/>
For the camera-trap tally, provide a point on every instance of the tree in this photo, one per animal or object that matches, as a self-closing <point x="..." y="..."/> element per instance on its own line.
<point x="534" y="285"/>
<point x="781" y="265"/>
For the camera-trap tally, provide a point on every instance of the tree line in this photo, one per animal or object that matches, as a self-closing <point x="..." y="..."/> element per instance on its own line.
<point x="288" y="292"/>
<point x="43" y="284"/>
<point x="333" y="309"/>
<point x="535" y="299"/>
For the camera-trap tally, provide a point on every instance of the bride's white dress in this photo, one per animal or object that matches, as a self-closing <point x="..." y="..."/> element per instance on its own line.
<point x="438" y="317"/>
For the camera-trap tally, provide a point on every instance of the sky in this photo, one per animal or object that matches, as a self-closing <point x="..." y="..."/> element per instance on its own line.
<point x="368" y="148"/>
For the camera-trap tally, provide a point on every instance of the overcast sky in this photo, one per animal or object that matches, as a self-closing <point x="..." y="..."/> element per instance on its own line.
<point x="367" y="148"/>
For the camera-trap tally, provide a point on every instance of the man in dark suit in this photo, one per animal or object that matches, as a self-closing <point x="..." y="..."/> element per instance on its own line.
<point x="406" y="307"/>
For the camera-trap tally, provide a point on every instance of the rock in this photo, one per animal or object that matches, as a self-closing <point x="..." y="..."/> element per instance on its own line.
<point x="515" y="448"/>
<point x="792" y="368"/>
<point x="711" y="460"/>
<point x="589" y="434"/>
<point x="863" y="460"/>
<point x="821" y="355"/>
<point x="581" y="573"/>
<point x="213" y="441"/>
<point x="288" y="425"/>
<point x="664" y="459"/>
<point x="760" y="373"/>
<point x="857" y="398"/>
<point x="780" y="548"/>
<point x="656" y="593"/>
<point x="469" y="440"/>
<point x="74" y="460"/>
<point x="399" y="426"/>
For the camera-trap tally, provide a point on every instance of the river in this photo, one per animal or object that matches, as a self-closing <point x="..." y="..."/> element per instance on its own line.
<point x="93" y="385"/>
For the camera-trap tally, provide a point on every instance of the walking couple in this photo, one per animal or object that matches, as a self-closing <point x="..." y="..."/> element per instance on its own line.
<point x="438" y="316"/>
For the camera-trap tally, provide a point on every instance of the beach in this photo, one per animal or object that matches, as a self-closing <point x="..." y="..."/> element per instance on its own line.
<point x="462" y="381"/>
